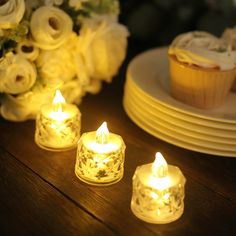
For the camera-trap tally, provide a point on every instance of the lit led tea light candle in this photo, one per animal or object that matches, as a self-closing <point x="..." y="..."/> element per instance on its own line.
<point x="100" y="157"/>
<point x="58" y="125"/>
<point x="158" y="192"/>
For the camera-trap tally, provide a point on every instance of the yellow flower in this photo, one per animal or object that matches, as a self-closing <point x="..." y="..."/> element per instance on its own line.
<point x="27" y="50"/>
<point x="57" y="66"/>
<point x="17" y="74"/>
<point x="11" y="13"/>
<point x="102" y="44"/>
<point x="50" y="27"/>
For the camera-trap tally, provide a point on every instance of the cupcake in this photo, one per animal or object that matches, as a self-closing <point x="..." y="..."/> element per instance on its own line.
<point x="202" y="69"/>
<point x="229" y="35"/>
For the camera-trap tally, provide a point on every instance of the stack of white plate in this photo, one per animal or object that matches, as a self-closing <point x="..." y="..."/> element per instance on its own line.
<point x="148" y="103"/>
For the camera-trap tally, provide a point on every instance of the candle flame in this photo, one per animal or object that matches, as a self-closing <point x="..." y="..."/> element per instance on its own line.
<point x="102" y="134"/>
<point x="159" y="166"/>
<point x="58" y="101"/>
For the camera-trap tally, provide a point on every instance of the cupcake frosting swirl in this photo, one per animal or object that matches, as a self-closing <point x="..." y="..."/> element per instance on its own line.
<point x="229" y="35"/>
<point x="204" y="50"/>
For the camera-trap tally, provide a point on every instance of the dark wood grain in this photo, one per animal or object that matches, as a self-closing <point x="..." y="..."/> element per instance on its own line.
<point x="31" y="206"/>
<point x="58" y="169"/>
<point x="40" y="194"/>
<point x="210" y="202"/>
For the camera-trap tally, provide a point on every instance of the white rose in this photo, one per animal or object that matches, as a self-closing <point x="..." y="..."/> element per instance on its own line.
<point x="27" y="105"/>
<point x="81" y="70"/>
<point x="72" y="91"/>
<point x="17" y="74"/>
<point x="102" y="43"/>
<point x="11" y="13"/>
<point x="27" y="50"/>
<point x="50" y="27"/>
<point x="57" y="66"/>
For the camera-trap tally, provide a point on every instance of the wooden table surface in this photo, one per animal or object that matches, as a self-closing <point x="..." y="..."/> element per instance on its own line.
<point x="40" y="194"/>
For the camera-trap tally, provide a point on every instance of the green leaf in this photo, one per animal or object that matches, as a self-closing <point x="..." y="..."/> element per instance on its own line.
<point x="102" y="6"/>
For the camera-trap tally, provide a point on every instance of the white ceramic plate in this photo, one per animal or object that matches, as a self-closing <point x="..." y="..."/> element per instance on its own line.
<point x="150" y="72"/>
<point x="181" y="133"/>
<point x="131" y="87"/>
<point x="173" y="140"/>
<point x="216" y="135"/>
<point x="157" y="111"/>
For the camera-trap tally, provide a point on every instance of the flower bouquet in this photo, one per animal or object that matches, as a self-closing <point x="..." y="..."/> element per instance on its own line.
<point x="73" y="45"/>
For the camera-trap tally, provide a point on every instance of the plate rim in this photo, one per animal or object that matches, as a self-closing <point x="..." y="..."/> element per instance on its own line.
<point x="188" y="137"/>
<point x="182" y="144"/>
<point x="163" y="50"/>
<point x="190" y="130"/>
<point x="206" y="124"/>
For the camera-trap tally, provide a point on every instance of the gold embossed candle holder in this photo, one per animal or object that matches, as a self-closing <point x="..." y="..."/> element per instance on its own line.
<point x="100" y="157"/>
<point x="158" y="192"/>
<point x="58" y="125"/>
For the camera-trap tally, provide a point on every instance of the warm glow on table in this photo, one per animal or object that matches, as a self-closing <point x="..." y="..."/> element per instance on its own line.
<point x="100" y="157"/>
<point x="158" y="192"/>
<point x="58" y="125"/>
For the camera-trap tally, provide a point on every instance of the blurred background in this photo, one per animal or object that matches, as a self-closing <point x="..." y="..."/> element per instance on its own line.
<point x="154" y="23"/>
